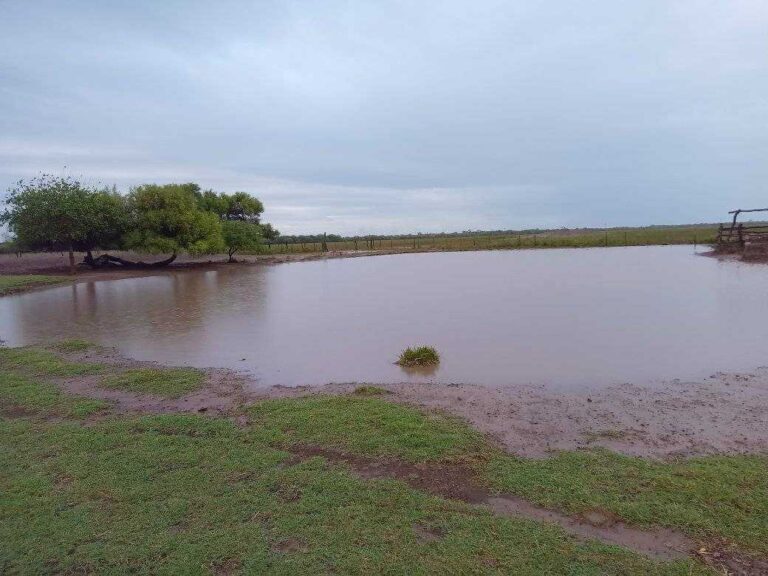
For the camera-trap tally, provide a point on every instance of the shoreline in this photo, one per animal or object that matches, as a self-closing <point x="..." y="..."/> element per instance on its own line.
<point x="56" y="266"/>
<point x="723" y="414"/>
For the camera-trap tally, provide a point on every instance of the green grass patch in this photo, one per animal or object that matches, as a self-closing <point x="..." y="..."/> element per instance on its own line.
<point x="419" y="356"/>
<point x="35" y="361"/>
<point x="711" y="497"/>
<point x="194" y="495"/>
<point x="23" y="396"/>
<point x="369" y="426"/>
<point x="170" y="382"/>
<point x="74" y="345"/>
<point x="18" y="283"/>
<point x="714" y="496"/>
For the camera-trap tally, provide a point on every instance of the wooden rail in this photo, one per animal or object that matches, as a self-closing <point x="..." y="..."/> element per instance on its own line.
<point x="740" y="235"/>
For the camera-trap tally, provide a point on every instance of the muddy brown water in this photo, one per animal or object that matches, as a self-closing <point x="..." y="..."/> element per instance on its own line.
<point x="564" y="318"/>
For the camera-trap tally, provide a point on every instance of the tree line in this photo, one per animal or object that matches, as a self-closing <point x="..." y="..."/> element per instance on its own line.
<point x="49" y="213"/>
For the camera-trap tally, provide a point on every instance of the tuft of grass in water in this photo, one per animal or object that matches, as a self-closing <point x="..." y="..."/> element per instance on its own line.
<point x="74" y="345"/>
<point x="419" y="356"/>
<point x="11" y="284"/>
<point x="369" y="391"/>
<point x="169" y="382"/>
<point x="35" y="361"/>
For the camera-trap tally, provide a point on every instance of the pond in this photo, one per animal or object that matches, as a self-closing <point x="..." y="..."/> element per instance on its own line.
<point x="567" y="318"/>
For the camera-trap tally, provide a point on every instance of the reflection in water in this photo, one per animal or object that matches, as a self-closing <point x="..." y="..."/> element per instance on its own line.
<point x="420" y="372"/>
<point x="564" y="317"/>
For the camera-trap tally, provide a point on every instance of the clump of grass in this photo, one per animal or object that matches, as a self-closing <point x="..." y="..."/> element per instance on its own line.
<point x="369" y="391"/>
<point x="170" y="382"/>
<point x="74" y="345"/>
<point x="419" y="356"/>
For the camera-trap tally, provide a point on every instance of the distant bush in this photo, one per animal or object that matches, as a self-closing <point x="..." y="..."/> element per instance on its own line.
<point x="421" y="356"/>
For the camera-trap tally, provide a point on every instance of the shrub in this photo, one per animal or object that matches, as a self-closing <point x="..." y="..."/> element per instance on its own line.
<point x="420" y="356"/>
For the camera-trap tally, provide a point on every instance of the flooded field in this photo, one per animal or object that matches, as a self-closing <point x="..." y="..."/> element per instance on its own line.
<point x="566" y="318"/>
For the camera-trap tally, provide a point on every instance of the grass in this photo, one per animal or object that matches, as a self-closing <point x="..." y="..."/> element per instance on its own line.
<point x="39" y="362"/>
<point x="713" y="497"/>
<point x="10" y="284"/>
<point x="168" y="494"/>
<point x="525" y="239"/>
<point x="169" y="382"/>
<point x="23" y="395"/>
<point x="368" y="426"/>
<point x="419" y="356"/>
<point x="186" y="494"/>
<point x="74" y="345"/>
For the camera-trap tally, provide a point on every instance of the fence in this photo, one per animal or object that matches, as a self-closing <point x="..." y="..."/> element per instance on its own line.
<point x="737" y="235"/>
<point x="705" y="234"/>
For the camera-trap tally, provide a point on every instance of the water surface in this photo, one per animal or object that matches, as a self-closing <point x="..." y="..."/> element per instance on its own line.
<point x="562" y="317"/>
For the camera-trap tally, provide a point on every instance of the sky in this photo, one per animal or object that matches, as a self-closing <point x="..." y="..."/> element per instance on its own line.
<point x="360" y="117"/>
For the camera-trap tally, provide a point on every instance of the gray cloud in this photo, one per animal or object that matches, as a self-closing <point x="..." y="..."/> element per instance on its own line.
<point x="396" y="116"/>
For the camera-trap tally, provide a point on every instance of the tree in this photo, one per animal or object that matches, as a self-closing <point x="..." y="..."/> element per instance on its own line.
<point x="61" y="213"/>
<point x="168" y="219"/>
<point x="240" y="235"/>
<point x="268" y="232"/>
<point x="237" y="206"/>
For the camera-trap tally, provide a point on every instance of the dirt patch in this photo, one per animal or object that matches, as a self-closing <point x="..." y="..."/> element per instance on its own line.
<point x="455" y="482"/>
<point x="728" y="560"/>
<point x="660" y="543"/>
<point x="222" y="393"/>
<point x="291" y="545"/>
<point x="54" y="263"/>
<point x="426" y="534"/>
<point x="460" y="483"/>
<point x="14" y="411"/>
<point x="723" y="414"/>
<point x="226" y="567"/>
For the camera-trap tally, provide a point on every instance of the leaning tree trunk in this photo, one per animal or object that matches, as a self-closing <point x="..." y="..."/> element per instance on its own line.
<point x="109" y="261"/>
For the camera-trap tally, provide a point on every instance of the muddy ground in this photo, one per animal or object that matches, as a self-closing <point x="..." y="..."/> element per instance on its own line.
<point x="723" y="414"/>
<point x="55" y="263"/>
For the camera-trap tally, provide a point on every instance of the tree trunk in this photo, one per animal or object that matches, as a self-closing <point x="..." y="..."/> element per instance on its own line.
<point x="109" y="261"/>
<point x="231" y="253"/>
<point x="71" y="260"/>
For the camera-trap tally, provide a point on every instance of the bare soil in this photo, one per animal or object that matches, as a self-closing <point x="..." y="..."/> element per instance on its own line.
<point x="720" y="415"/>
<point x="55" y="263"/>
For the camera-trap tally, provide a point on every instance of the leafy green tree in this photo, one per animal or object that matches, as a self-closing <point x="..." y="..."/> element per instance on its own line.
<point x="61" y="213"/>
<point x="168" y="219"/>
<point x="268" y="232"/>
<point x="237" y="206"/>
<point x="240" y="235"/>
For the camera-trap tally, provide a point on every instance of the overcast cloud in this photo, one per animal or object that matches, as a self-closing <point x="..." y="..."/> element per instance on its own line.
<point x="396" y="116"/>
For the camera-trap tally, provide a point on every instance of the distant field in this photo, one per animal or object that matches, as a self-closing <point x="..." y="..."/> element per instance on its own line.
<point x="585" y="238"/>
